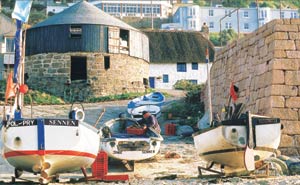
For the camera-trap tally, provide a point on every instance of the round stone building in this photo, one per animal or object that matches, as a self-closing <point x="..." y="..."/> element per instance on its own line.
<point x="83" y="49"/>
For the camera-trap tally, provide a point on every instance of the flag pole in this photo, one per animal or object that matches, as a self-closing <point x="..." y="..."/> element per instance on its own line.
<point x="208" y="87"/>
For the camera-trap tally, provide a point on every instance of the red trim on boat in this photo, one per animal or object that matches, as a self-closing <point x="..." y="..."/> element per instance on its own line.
<point x="48" y="152"/>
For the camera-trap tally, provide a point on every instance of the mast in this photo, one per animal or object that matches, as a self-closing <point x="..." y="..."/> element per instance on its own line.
<point x="21" y="14"/>
<point x="208" y="87"/>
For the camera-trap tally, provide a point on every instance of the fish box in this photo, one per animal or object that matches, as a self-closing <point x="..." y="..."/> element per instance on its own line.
<point x="136" y="131"/>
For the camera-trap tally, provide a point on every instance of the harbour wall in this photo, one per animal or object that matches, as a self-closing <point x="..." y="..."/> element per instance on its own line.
<point x="265" y="65"/>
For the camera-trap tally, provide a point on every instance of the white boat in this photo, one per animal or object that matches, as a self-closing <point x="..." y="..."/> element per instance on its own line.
<point x="121" y="145"/>
<point x="49" y="146"/>
<point x="137" y="113"/>
<point x="228" y="142"/>
<point x="154" y="98"/>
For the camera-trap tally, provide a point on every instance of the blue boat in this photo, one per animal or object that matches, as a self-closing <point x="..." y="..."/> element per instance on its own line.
<point x="154" y="98"/>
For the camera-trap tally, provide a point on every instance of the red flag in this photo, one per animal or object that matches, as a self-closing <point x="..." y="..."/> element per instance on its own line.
<point x="10" y="88"/>
<point x="233" y="92"/>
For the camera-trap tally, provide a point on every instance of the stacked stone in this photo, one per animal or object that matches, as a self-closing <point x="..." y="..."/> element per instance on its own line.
<point x="49" y="72"/>
<point x="265" y="66"/>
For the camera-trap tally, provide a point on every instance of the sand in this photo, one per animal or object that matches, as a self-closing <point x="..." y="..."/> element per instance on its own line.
<point x="182" y="166"/>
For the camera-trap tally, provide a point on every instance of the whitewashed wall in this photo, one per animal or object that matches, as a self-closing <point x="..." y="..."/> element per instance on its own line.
<point x="158" y="70"/>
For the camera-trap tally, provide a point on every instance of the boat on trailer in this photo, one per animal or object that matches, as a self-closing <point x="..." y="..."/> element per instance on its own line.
<point x="238" y="144"/>
<point x="122" y="139"/>
<point x="49" y="146"/>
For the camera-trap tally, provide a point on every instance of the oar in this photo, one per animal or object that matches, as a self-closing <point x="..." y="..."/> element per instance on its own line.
<point x="100" y="116"/>
<point x="249" y="153"/>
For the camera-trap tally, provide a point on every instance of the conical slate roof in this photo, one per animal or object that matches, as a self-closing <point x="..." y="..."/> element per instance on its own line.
<point x="83" y="13"/>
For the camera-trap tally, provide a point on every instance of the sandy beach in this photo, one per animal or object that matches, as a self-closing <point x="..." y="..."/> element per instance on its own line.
<point x="176" y="161"/>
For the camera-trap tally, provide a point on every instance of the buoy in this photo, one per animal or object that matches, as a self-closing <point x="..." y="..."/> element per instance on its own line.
<point x="23" y="88"/>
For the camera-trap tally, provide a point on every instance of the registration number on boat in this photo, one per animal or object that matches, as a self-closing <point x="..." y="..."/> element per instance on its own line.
<point x="148" y="151"/>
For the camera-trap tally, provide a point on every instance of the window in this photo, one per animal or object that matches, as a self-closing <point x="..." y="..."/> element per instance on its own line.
<point x="124" y="38"/>
<point x="211" y="25"/>
<point x="228" y="13"/>
<point x="211" y="12"/>
<point x="78" y="68"/>
<point x="246" y="26"/>
<point x="193" y="81"/>
<point x="246" y="14"/>
<point x="228" y="25"/>
<point x="165" y="78"/>
<point x="293" y="15"/>
<point x="181" y="67"/>
<point x="194" y="66"/>
<point x="9" y="42"/>
<point x="281" y="15"/>
<point x="75" y="31"/>
<point x="106" y="62"/>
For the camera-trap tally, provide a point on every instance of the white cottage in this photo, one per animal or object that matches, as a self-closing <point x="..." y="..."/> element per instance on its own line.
<point x="175" y="56"/>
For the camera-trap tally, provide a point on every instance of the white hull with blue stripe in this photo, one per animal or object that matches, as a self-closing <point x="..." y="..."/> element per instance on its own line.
<point x="49" y="146"/>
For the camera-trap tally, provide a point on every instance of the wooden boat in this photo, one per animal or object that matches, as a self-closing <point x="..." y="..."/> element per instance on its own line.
<point x="122" y="143"/>
<point x="154" y="98"/>
<point x="49" y="146"/>
<point x="137" y="113"/>
<point x="238" y="144"/>
<point x="42" y="145"/>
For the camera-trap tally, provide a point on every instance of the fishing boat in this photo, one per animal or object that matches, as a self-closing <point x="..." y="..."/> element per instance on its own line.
<point x="238" y="144"/>
<point x="137" y="113"/>
<point x="49" y="146"/>
<point x="154" y="98"/>
<point x="45" y="146"/>
<point x="123" y="139"/>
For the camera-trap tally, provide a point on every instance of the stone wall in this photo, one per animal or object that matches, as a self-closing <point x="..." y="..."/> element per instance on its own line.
<point x="265" y="65"/>
<point x="50" y="72"/>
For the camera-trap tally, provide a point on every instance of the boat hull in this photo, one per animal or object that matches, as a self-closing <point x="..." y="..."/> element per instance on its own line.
<point x="155" y="98"/>
<point x="49" y="149"/>
<point x="227" y="144"/>
<point x="128" y="146"/>
<point x="115" y="148"/>
<point x="137" y="113"/>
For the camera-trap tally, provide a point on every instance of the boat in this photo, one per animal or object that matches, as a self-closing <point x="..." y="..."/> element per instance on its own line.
<point x="238" y="144"/>
<point x="49" y="146"/>
<point x="154" y="98"/>
<point x="123" y="139"/>
<point x="44" y="146"/>
<point x="137" y="112"/>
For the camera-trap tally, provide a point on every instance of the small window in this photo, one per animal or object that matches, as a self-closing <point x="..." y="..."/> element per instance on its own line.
<point x="194" y="66"/>
<point x="246" y="26"/>
<point x="211" y="12"/>
<point x="281" y="15"/>
<point x="106" y="62"/>
<point x="78" y="68"/>
<point x="181" y="67"/>
<point x="211" y="25"/>
<point x="10" y="47"/>
<point x="165" y="78"/>
<point x="193" y="81"/>
<point x="124" y="37"/>
<point x="75" y="31"/>
<point x="246" y="14"/>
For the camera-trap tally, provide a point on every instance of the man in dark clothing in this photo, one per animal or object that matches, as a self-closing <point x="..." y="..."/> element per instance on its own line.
<point x="149" y="121"/>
